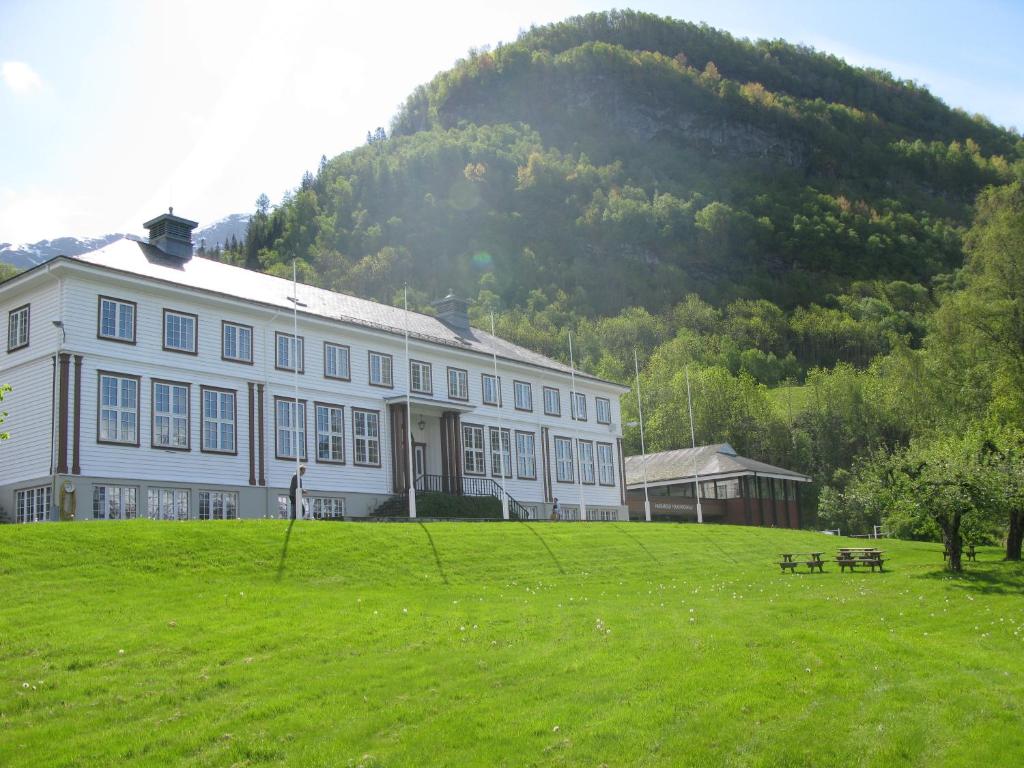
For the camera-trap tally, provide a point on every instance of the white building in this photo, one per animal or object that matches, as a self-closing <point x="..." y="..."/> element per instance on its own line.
<point x="148" y="382"/>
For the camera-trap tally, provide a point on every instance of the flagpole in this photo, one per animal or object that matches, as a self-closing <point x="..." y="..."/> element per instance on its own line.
<point x="643" y="449"/>
<point x="572" y="412"/>
<point x="410" y="470"/>
<point x="501" y="433"/>
<point x="693" y="440"/>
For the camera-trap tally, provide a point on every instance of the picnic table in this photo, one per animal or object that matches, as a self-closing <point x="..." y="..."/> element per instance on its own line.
<point x="790" y="560"/>
<point x="851" y="557"/>
<point x="968" y="551"/>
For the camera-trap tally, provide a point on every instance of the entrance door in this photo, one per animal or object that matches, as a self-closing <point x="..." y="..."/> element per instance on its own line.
<point x="419" y="463"/>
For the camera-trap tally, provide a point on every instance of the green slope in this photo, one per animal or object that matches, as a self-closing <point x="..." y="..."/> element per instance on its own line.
<point x="487" y="644"/>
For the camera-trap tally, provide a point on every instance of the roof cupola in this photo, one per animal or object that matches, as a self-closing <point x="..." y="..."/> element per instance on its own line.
<point x="171" y="234"/>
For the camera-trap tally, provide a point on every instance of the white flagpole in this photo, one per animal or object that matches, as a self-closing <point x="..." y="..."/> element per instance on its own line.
<point x="295" y="377"/>
<point x="572" y="412"/>
<point x="693" y="440"/>
<point x="643" y="449"/>
<point x="409" y="470"/>
<point x="501" y="434"/>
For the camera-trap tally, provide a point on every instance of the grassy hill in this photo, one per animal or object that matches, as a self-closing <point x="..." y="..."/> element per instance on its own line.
<point x="247" y="643"/>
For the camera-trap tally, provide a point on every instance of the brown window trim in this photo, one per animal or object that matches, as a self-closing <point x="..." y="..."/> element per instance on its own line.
<point x="138" y="407"/>
<point x="462" y="457"/>
<point x="534" y="436"/>
<point x="202" y="403"/>
<point x="448" y="382"/>
<point x="495" y="471"/>
<point x="252" y="343"/>
<point x="316" y="435"/>
<point x="572" y="457"/>
<point x="304" y="453"/>
<point x="482" y="389"/>
<point x="369" y="368"/>
<point x="338" y="346"/>
<point x="557" y="391"/>
<point x="593" y="461"/>
<point x="597" y="464"/>
<point x="152" y="414"/>
<point x="28" y="326"/>
<point x="597" y="410"/>
<point x="380" y="439"/>
<point x="195" y="332"/>
<point x="99" y="320"/>
<point x="429" y="368"/>
<point x="515" y="402"/>
<point x="572" y="406"/>
<point x="302" y="357"/>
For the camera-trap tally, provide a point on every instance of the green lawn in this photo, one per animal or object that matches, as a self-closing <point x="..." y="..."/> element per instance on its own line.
<point x="513" y="644"/>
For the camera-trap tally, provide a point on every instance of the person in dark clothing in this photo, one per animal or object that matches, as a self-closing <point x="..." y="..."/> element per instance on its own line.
<point x="295" y="484"/>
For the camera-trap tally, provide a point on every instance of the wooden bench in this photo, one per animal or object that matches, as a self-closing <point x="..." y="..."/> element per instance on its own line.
<point x="789" y="564"/>
<point x="853" y="562"/>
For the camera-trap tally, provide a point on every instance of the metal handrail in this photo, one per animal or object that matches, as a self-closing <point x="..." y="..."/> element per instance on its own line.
<point x="467" y="485"/>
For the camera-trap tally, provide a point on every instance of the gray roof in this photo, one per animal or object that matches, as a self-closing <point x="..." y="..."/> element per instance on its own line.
<point x="132" y="256"/>
<point x="710" y="461"/>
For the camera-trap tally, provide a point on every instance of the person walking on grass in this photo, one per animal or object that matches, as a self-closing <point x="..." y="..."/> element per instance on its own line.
<point x="296" y="483"/>
<point x="556" y="511"/>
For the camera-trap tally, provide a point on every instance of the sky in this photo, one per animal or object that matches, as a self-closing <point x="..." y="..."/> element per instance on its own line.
<point x="113" y="110"/>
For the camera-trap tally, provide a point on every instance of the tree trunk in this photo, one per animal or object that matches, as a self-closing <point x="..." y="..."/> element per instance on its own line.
<point x="954" y="545"/>
<point x="1016" y="534"/>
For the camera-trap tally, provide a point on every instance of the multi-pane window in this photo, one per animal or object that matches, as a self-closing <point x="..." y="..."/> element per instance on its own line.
<point x="170" y="415"/>
<point x="327" y="507"/>
<point x="218" y="505"/>
<point x="17" y="328"/>
<point x="218" y="420"/>
<point x="336" y="361"/>
<point x="603" y="410"/>
<point x="605" y="464"/>
<point x="32" y="505"/>
<point x="524" y="395"/>
<point x="552" y="402"/>
<point x="501" y="458"/>
<point x="290" y="352"/>
<point x="458" y="384"/>
<point x="526" y="456"/>
<point x="180" y="331"/>
<point x="490" y="389"/>
<point x="236" y="342"/>
<point x="586" y="449"/>
<point x="579" y="406"/>
<point x="117" y="320"/>
<point x="563" y="460"/>
<point x="114" y="502"/>
<point x="167" y="503"/>
<point x="291" y="428"/>
<point x="119" y="409"/>
<point x="419" y="377"/>
<point x="366" y="437"/>
<point x="473" y="449"/>
<point x="380" y="370"/>
<point x="330" y="433"/>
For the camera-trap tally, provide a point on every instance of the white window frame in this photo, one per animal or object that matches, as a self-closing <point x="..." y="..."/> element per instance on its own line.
<point x="327" y="506"/>
<point x="219" y="430"/>
<point x="556" y="400"/>
<point x="420" y="377"/>
<point x="32" y="505"/>
<point x="365" y="438"/>
<point x="330" y="433"/>
<point x="579" y="406"/>
<point x="523" y="394"/>
<point x="565" y="469"/>
<point x="526" y="455"/>
<point x="170" y="427"/>
<point x="489" y="381"/>
<point x="458" y="383"/>
<point x="473" y="451"/>
<point x="505" y="454"/>
<point x="126" y="430"/>
<point x="287" y="434"/>
<point x="381" y="369"/>
<point x="181" y="332"/>
<point x="585" y="448"/>
<point x="17" y="328"/>
<point x="236" y="342"/>
<point x="124" y="316"/>
<point x="218" y="505"/>
<point x="115" y="502"/>
<point x="290" y="350"/>
<point x="603" y="410"/>
<point x="605" y="464"/>
<point x="334" y="354"/>
<point x="167" y="503"/>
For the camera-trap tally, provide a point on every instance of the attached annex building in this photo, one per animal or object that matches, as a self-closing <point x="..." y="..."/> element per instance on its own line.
<point x="149" y="382"/>
<point x="733" y="489"/>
